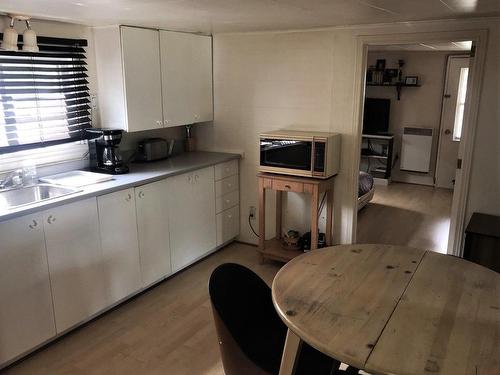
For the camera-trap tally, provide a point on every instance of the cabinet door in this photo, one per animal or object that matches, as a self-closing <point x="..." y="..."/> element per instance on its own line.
<point x="75" y="262"/>
<point x="176" y="55"/>
<point x="153" y="227"/>
<point x="26" y="314"/>
<point x="201" y="78"/>
<point x="228" y="225"/>
<point x="120" y="246"/>
<point x="192" y="216"/>
<point x="142" y="78"/>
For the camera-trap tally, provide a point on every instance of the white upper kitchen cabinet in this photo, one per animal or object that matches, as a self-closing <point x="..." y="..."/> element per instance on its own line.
<point x="26" y="313"/>
<point x="153" y="228"/>
<point x="129" y="78"/>
<point x="119" y="242"/>
<point x="186" y="67"/>
<point x="75" y="262"/>
<point x="192" y="216"/>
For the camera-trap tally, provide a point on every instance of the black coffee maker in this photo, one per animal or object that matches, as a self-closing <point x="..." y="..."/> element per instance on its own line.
<point x="104" y="153"/>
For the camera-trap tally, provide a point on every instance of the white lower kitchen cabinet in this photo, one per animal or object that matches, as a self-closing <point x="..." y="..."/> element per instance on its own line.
<point x="228" y="225"/>
<point x="119" y="242"/>
<point x="26" y="313"/>
<point x="153" y="228"/>
<point x="75" y="262"/>
<point x="192" y="216"/>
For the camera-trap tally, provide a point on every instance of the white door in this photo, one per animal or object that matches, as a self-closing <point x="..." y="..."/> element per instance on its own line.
<point x="186" y="68"/>
<point x="153" y="227"/>
<point x="142" y="77"/>
<point x="451" y="120"/>
<point x="201" y="78"/>
<point x="119" y="242"/>
<point x="192" y="216"/>
<point x="75" y="262"/>
<point x="26" y="313"/>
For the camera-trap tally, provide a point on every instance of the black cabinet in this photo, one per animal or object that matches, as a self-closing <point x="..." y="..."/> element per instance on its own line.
<point x="482" y="241"/>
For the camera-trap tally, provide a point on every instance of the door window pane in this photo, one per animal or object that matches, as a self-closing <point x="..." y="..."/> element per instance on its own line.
<point x="459" y="112"/>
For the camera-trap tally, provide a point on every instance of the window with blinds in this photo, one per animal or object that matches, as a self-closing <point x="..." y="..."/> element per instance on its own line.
<point x="44" y="96"/>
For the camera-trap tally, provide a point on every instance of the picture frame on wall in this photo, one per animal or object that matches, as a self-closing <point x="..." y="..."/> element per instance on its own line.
<point x="411" y="80"/>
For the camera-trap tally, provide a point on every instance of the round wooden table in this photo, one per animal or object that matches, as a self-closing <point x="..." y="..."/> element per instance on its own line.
<point x="391" y="310"/>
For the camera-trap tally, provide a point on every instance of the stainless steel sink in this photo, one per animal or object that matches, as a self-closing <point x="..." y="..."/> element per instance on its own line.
<point x="27" y="195"/>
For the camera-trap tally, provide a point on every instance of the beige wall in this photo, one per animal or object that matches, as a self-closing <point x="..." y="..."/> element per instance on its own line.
<point x="420" y="107"/>
<point x="265" y="81"/>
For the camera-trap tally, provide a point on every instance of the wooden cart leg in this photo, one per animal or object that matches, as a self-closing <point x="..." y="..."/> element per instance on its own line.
<point x="262" y="218"/>
<point x="314" y="217"/>
<point x="291" y="353"/>
<point x="329" y="217"/>
<point x="278" y="214"/>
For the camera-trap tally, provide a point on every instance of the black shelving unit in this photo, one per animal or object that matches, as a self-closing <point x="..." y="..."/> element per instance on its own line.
<point x="379" y="149"/>
<point x="397" y="85"/>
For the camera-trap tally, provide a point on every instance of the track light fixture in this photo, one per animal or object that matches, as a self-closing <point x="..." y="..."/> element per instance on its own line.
<point x="10" y="36"/>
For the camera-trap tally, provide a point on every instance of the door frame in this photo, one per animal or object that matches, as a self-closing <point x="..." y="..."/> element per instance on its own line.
<point x="440" y="133"/>
<point x="476" y="68"/>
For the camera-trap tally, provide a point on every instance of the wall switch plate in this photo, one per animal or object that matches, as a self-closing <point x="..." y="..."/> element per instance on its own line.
<point x="93" y="101"/>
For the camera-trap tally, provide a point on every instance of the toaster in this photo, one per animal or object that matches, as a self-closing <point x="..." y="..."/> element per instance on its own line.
<point x="152" y="149"/>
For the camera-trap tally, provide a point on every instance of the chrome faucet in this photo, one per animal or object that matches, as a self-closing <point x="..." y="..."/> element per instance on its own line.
<point x="13" y="180"/>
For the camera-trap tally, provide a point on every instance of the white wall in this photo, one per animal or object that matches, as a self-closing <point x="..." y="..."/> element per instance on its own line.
<point x="265" y="81"/>
<point x="420" y="107"/>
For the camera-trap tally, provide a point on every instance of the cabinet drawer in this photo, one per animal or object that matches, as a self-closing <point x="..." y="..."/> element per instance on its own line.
<point x="226" y="169"/>
<point x="297" y="187"/>
<point x="227" y="201"/>
<point x="226" y="185"/>
<point x="228" y="225"/>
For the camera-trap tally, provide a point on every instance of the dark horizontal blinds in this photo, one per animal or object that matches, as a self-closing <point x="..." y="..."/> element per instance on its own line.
<point x="44" y="96"/>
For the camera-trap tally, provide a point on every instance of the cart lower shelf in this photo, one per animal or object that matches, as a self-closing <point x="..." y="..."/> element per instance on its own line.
<point x="275" y="251"/>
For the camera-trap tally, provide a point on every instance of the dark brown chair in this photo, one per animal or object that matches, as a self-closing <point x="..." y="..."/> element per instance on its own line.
<point x="251" y="334"/>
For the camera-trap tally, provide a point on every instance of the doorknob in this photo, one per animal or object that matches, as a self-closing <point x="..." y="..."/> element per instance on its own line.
<point x="447" y="131"/>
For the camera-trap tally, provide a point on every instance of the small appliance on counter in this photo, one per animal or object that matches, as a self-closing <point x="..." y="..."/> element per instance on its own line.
<point x="104" y="153"/>
<point x="152" y="149"/>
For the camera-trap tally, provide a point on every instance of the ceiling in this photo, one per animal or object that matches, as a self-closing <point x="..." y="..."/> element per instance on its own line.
<point x="426" y="47"/>
<point x="247" y="15"/>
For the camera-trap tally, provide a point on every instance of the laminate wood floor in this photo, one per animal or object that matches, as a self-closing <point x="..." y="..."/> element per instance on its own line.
<point x="167" y="330"/>
<point x="407" y="215"/>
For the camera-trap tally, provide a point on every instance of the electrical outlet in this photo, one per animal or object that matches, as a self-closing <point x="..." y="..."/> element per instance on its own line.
<point x="252" y="212"/>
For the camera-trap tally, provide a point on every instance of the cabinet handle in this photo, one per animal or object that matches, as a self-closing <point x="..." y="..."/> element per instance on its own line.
<point x="141" y="194"/>
<point x="229" y="216"/>
<point x="196" y="177"/>
<point x="51" y="219"/>
<point x="129" y="197"/>
<point x="229" y="185"/>
<point x="190" y="179"/>
<point x="33" y="225"/>
<point x="288" y="187"/>
<point x="159" y="123"/>
<point x="228" y="200"/>
<point x="196" y="117"/>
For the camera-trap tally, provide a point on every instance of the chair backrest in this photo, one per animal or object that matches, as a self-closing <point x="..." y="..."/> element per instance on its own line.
<point x="242" y="306"/>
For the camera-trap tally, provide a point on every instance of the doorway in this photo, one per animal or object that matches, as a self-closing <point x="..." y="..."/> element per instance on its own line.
<point x="470" y="109"/>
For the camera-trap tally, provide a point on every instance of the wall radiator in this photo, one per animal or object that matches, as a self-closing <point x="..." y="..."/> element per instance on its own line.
<point x="416" y="147"/>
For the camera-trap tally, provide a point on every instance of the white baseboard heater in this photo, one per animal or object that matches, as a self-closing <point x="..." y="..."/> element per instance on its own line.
<point x="416" y="147"/>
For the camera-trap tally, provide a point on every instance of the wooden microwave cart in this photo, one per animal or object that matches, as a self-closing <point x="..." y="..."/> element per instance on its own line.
<point x="273" y="249"/>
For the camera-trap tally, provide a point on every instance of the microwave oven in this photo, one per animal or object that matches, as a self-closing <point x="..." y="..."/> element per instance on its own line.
<point x="300" y="153"/>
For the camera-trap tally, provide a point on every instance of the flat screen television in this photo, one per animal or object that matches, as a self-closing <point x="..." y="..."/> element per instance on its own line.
<point x="376" y="116"/>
